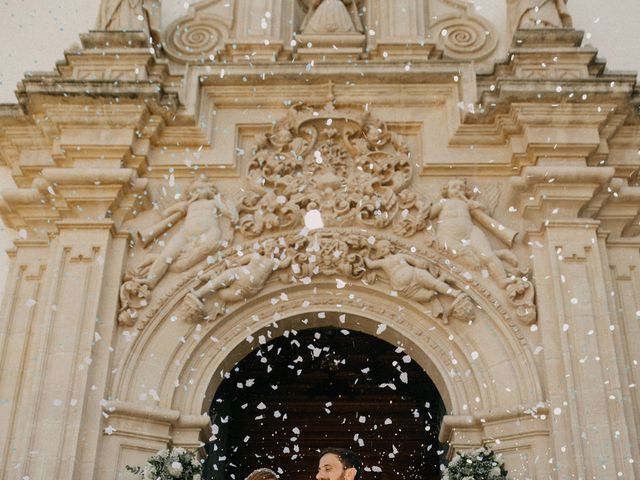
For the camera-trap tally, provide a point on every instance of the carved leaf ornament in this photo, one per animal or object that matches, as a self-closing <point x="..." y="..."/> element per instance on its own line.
<point x="346" y="169"/>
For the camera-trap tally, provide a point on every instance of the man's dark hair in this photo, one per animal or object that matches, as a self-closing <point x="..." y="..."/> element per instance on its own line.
<point x="347" y="458"/>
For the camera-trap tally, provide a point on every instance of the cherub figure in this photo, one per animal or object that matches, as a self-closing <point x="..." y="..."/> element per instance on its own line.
<point x="456" y="231"/>
<point x="200" y="235"/>
<point x="331" y="16"/>
<point x="408" y="275"/>
<point x="239" y="281"/>
<point x="411" y="277"/>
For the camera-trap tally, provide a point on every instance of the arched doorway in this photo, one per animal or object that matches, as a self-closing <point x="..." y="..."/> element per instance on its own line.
<point x="321" y="387"/>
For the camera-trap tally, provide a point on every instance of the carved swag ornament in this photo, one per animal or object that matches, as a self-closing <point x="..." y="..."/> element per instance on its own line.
<point x="348" y="169"/>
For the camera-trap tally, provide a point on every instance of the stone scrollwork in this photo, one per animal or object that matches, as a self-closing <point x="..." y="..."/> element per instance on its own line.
<point x="346" y="165"/>
<point x="465" y="37"/>
<point x="195" y="39"/>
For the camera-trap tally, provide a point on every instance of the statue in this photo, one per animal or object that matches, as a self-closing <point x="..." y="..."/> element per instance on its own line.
<point x="237" y="282"/>
<point x="200" y="235"/>
<point x="331" y="16"/>
<point x="542" y="14"/>
<point x="129" y="15"/>
<point x="411" y="277"/>
<point x="457" y="232"/>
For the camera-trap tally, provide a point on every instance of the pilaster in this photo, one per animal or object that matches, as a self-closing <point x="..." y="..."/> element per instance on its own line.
<point x="589" y="428"/>
<point x="73" y="197"/>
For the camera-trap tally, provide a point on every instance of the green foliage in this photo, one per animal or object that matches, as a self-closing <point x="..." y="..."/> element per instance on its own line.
<point x="479" y="464"/>
<point x="174" y="464"/>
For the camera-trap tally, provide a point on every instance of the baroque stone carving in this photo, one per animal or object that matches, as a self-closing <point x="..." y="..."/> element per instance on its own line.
<point x="331" y="16"/>
<point x="325" y="253"/>
<point x="543" y="14"/>
<point x="207" y="226"/>
<point x="129" y="15"/>
<point x="456" y="232"/>
<point x="347" y="168"/>
<point x="346" y="165"/>
<point x="196" y="38"/>
<point x="466" y="37"/>
<point x="236" y="282"/>
<point x="411" y="277"/>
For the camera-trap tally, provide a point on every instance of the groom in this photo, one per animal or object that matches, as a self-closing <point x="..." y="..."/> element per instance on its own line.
<point x="338" y="464"/>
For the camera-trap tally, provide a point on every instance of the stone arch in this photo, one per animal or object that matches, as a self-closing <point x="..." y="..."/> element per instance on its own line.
<point x="484" y="369"/>
<point x="457" y="356"/>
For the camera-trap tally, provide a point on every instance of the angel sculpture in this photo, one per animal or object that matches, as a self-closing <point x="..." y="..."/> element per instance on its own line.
<point x="123" y="15"/>
<point x="331" y="16"/>
<point x="200" y="235"/>
<point x="456" y="231"/>
<point x="202" y="232"/>
<point x="542" y="14"/>
<point x="411" y="277"/>
<point x="237" y="282"/>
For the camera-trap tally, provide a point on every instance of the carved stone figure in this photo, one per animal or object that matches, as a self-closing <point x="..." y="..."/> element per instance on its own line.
<point x="237" y="282"/>
<point x="542" y="14"/>
<point x="456" y="231"/>
<point x="410" y="277"/>
<point x="129" y="15"/>
<point x="331" y="16"/>
<point x="200" y="235"/>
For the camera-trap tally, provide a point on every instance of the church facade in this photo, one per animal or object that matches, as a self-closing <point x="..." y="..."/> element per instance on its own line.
<point x="189" y="192"/>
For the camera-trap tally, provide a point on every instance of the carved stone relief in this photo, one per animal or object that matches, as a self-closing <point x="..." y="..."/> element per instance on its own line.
<point x="465" y="37"/>
<point x="331" y="17"/>
<point x="118" y="15"/>
<point x="206" y="227"/>
<point x="542" y="14"/>
<point x="326" y="253"/>
<point x="343" y="168"/>
<point x="198" y="36"/>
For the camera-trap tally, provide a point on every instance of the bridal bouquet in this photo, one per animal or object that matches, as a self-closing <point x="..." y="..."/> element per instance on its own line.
<point x="479" y="464"/>
<point x="174" y="464"/>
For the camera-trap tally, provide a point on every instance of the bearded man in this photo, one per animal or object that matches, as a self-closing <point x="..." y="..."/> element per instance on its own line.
<point x="338" y="464"/>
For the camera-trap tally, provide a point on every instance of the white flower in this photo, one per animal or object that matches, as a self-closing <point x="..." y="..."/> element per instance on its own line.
<point x="197" y="477"/>
<point x="175" y="469"/>
<point x="467" y="478"/>
<point x="195" y="462"/>
<point x="178" y="451"/>
<point x="455" y="461"/>
<point x="164" y="453"/>
<point x="495" y="472"/>
<point x="148" y="472"/>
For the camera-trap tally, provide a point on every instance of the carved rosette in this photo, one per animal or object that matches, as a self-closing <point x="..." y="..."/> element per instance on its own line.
<point x="346" y="165"/>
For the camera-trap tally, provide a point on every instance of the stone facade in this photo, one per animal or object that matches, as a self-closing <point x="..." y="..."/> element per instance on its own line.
<point x="273" y="159"/>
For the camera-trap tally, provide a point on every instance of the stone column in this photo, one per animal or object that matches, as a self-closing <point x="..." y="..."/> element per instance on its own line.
<point x="589" y="428"/>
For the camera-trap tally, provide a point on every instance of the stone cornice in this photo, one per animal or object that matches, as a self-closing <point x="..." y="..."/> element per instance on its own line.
<point x="549" y="193"/>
